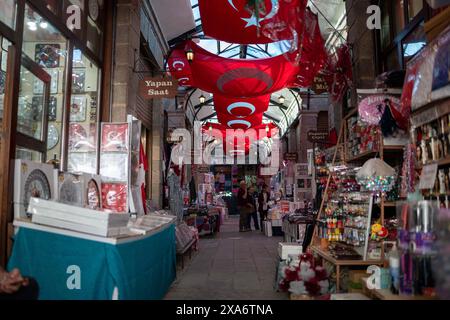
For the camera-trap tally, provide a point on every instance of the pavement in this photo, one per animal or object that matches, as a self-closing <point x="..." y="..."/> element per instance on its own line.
<point x="230" y="266"/>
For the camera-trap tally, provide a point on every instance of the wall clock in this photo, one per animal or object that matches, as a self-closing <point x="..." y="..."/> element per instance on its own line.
<point x="53" y="137"/>
<point x="36" y="186"/>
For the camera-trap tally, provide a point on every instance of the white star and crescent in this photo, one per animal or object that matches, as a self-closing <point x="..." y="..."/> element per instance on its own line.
<point x="252" y="21"/>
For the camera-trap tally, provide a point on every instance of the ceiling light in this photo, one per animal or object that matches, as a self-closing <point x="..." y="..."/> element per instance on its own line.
<point x="281" y="99"/>
<point x="43" y="25"/>
<point x="190" y="55"/>
<point x="32" y="25"/>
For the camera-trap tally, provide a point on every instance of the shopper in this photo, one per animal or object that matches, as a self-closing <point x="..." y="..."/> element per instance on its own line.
<point x="263" y="201"/>
<point x="13" y="286"/>
<point x="244" y="206"/>
<point x="253" y="199"/>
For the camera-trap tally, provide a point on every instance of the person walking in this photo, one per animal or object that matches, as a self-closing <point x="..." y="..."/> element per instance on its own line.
<point x="244" y="206"/>
<point x="263" y="203"/>
<point x="253" y="197"/>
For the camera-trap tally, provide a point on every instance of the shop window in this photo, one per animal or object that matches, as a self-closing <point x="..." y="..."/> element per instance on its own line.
<point x="399" y="15"/>
<point x="46" y="46"/>
<point x="30" y="110"/>
<point x="414" y="42"/>
<point x="3" y="64"/>
<point x="84" y="115"/>
<point x="414" y="8"/>
<point x="8" y="10"/>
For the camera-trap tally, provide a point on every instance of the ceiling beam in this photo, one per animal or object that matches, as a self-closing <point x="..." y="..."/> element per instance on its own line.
<point x="271" y="118"/>
<point x="185" y="36"/>
<point x="207" y="102"/>
<point x="209" y="117"/>
<point x="276" y="103"/>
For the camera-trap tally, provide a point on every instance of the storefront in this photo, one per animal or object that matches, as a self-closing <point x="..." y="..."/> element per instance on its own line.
<point x="57" y="52"/>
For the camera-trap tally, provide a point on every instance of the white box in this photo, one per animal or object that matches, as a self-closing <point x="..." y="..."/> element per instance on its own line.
<point x="78" y="219"/>
<point x="286" y="249"/>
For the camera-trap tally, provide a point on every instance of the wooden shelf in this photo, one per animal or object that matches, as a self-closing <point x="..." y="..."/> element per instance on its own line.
<point x="326" y="255"/>
<point x="442" y="162"/>
<point x="372" y="153"/>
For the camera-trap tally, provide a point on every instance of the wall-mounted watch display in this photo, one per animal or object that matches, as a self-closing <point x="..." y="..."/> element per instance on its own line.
<point x="36" y="186"/>
<point x="53" y="137"/>
<point x="48" y="55"/>
<point x="78" y="109"/>
<point x="52" y="108"/>
<point x="78" y="81"/>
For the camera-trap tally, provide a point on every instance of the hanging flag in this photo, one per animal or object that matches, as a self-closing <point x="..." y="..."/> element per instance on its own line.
<point x="234" y="21"/>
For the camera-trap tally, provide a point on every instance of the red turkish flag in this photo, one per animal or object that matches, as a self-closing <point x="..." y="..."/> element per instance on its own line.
<point x="234" y="77"/>
<point x="241" y="107"/>
<point x="232" y="21"/>
<point x="240" y="122"/>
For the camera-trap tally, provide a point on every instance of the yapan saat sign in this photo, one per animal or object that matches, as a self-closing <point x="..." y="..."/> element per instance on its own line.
<point x="158" y="87"/>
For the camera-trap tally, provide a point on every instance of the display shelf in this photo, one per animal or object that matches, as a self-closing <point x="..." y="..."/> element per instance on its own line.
<point x="443" y="162"/>
<point x="339" y="263"/>
<point x="363" y="156"/>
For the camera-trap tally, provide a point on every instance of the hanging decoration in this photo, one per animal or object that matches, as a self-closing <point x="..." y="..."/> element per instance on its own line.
<point x="252" y="21"/>
<point x="338" y="73"/>
<point x="376" y="176"/>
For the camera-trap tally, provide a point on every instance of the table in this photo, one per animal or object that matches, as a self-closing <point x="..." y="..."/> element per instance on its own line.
<point x="74" y="266"/>
<point x="338" y="263"/>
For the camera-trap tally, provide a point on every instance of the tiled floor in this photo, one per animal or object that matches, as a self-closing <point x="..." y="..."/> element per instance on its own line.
<point x="230" y="266"/>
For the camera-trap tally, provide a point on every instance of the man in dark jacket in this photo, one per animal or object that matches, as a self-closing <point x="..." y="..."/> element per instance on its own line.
<point x="263" y="203"/>
<point x="245" y="207"/>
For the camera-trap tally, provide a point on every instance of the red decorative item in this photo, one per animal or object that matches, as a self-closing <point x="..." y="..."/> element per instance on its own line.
<point x="114" y="197"/>
<point x="338" y="74"/>
<point x="115" y="137"/>
<point x="233" y="22"/>
<point x="241" y="107"/>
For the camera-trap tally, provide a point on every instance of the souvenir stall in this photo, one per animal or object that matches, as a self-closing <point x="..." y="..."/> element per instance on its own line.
<point x="92" y="231"/>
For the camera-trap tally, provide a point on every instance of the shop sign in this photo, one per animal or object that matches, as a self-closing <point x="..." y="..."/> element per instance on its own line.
<point x="318" y="136"/>
<point x="293" y="156"/>
<point x="158" y="87"/>
<point x="319" y="85"/>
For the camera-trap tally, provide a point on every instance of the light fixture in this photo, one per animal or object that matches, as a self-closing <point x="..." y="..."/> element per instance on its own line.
<point x="202" y="99"/>
<point x="210" y="128"/>
<point x="190" y="55"/>
<point x="267" y="129"/>
<point x="43" y="24"/>
<point x="281" y="99"/>
<point x="32" y="25"/>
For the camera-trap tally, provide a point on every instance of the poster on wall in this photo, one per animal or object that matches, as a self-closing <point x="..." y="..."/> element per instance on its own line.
<point x="78" y="109"/>
<point x="47" y="55"/>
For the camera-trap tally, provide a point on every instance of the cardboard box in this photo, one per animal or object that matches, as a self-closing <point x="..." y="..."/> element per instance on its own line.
<point x="285" y="249"/>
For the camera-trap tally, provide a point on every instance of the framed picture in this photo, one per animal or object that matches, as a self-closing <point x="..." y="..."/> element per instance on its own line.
<point x="115" y="137"/>
<point x="36" y="106"/>
<point x="78" y="81"/>
<point x="114" y="166"/>
<point x="115" y="197"/>
<point x="47" y="55"/>
<point x="38" y="87"/>
<point x="78" y="109"/>
<point x="52" y="108"/>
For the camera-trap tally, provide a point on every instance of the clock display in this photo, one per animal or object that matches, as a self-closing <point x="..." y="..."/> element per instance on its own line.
<point x="36" y="186"/>
<point x="53" y="137"/>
